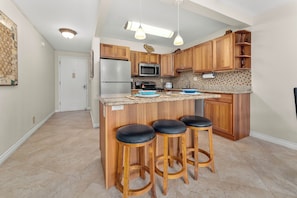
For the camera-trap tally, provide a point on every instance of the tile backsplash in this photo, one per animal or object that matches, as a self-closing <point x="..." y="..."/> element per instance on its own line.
<point x="223" y="81"/>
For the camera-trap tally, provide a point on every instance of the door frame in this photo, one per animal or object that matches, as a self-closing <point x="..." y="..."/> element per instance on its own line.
<point x="59" y="79"/>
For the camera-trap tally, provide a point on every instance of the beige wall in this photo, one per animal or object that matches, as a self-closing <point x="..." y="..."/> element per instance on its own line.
<point x="34" y="96"/>
<point x="274" y="74"/>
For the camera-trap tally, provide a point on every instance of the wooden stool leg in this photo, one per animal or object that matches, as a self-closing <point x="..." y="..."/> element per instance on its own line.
<point x="184" y="153"/>
<point x="152" y="167"/>
<point x="196" y="151"/>
<point x="211" y="152"/>
<point x="119" y="165"/>
<point x="126" y="171"/>
<point x="170" y="142"/>
<point x="141" y="155"/>
<point x="165" y="166"/>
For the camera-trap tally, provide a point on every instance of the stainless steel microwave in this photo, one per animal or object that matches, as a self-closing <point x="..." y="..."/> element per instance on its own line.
<point x="146" y="69"/>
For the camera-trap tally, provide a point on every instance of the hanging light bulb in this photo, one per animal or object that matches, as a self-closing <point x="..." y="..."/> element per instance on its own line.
<point x="178" y="39"/>
<point x="140" y="34"/>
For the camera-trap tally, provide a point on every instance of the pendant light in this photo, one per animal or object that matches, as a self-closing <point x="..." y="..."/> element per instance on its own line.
<point x="140" y="34"/>
<point x="178" y="39"/>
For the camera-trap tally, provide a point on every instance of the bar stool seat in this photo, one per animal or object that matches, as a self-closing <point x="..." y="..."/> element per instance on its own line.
<point x="196" y="124"/>
<point x="135" y="136"/>
<point x="171" y="129"/>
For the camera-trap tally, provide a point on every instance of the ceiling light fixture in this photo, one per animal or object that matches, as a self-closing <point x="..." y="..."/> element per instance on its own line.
<point x="178" y="39"/>
<point x="152" y="30"/>
<point x="140" y="34"/>
<point x="67" y="33"/>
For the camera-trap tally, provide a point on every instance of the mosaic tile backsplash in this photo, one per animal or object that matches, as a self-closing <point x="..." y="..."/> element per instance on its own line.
<point x="223" y="81"/>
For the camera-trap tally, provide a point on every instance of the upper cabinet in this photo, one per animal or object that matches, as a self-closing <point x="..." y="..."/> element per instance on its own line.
<point x="223" y="54"/>
<point x="202" y="57"/>
<point x="134" y="63"/>
<point x="114" y="52"/>
<point x="167" y="65"/>
<point x="242" y="49"/>
<point x="229" y="52"/>
<point x="148" y="58"/>
<point x="183" y="60"/>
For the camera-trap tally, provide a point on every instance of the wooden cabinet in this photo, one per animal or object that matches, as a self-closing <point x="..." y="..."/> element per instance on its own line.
<point x="223" y="54"/>
<point x="202" y="57"/>
<point x="183" y="60"/>
<point x="114" y="52"/>
<point x="242" y="49"/>
<point x="148" y="58"/>
<point x="230" y="115"/>
<point x="134" y="63"/>
<point x="167" y="65"/>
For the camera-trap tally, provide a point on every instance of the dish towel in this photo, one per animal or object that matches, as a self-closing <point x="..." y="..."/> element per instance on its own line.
<point x="295" y="95"/>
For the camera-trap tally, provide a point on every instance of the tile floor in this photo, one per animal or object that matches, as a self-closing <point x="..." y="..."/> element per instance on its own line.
<point x="62" y="160"/>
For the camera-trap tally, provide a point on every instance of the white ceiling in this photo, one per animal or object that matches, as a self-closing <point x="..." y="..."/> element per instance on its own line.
<point x="106" y="18"/>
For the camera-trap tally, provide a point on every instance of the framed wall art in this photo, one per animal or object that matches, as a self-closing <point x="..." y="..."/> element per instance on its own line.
<point x="8" y="52"/>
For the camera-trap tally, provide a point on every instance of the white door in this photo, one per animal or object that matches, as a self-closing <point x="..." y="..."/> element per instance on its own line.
<point x="73" y="83"/>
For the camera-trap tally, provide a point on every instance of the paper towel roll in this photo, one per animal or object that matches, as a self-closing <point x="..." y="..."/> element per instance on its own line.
<point x="208" y="75"/>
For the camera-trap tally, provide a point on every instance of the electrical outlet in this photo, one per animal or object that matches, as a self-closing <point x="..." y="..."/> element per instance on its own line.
<point x="33" y="119"/>
<point x="195" y="78"/>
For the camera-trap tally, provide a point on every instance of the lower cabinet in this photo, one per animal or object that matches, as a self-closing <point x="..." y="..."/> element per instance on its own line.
<point x="230" y="115"/>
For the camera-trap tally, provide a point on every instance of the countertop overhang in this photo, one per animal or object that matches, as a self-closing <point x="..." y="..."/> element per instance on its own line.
<point x="124" y="100"/>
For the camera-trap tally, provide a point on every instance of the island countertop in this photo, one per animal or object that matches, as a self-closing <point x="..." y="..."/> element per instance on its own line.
<point x="174" y="96"/>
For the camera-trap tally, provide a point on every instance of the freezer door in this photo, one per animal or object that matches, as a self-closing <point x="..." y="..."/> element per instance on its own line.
<point x="115" y="70"/>
<point x="115" y="89"/>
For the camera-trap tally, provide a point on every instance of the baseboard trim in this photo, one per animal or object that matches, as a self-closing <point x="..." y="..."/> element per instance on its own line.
<point x="95" y="124"/>
<point x="15" y="146"/>
<point x="268" y="138"/>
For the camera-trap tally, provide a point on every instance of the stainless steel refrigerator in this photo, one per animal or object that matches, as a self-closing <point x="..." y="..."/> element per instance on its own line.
<point x="115" y="78"/>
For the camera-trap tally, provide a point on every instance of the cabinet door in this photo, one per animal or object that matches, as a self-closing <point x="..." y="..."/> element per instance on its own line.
<point x="167" y="67"/>
<point x="187" y="58"/>
<point x="202" y="57"/>
<point x="154" y="58"/>
<point x="223" y="52"/>
<point x="143" y="57"/>
<point x="177" y="61"/>
<point x="220" y="113"/>
<point x="107" y="51"/>
<point x="134" y="63"/>
<point x="122" y="52"/>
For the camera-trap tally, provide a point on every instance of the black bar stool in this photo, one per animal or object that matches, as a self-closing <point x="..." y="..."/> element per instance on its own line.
<point x="135" y="136"/>
<point x="171" y="129"/>
<point x="196" y="124"/>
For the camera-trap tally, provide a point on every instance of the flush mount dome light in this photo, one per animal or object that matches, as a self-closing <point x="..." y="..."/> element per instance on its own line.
<point x="67" y="33"/>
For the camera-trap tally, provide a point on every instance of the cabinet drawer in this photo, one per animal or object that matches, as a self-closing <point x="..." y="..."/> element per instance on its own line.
<point x="224" y="98"/>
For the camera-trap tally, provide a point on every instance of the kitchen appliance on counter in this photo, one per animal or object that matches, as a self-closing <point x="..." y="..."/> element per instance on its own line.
<point x="168" y="85"/>
<point x="114" y="78"/>
<point x="146" y="69"/>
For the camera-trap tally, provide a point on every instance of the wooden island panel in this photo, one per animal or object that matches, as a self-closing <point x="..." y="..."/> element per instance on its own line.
<point x="142" y="113"/>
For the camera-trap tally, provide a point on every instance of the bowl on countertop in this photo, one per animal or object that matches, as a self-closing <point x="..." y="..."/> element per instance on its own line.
<point x="147" y="92"/>
<point x="189" y="90"/>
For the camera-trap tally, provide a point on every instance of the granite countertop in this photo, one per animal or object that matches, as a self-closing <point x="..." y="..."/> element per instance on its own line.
<point x="226" y="91"/>
<point x="173" y="96"/>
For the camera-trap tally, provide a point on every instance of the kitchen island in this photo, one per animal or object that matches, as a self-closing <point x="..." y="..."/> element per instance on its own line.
<point x="119" y="111"/>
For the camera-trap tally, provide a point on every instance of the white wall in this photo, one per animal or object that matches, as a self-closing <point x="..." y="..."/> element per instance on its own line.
<point x="94" y="85"/>
<point x="274" y="74"/>
<point x="34" y="96"/>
